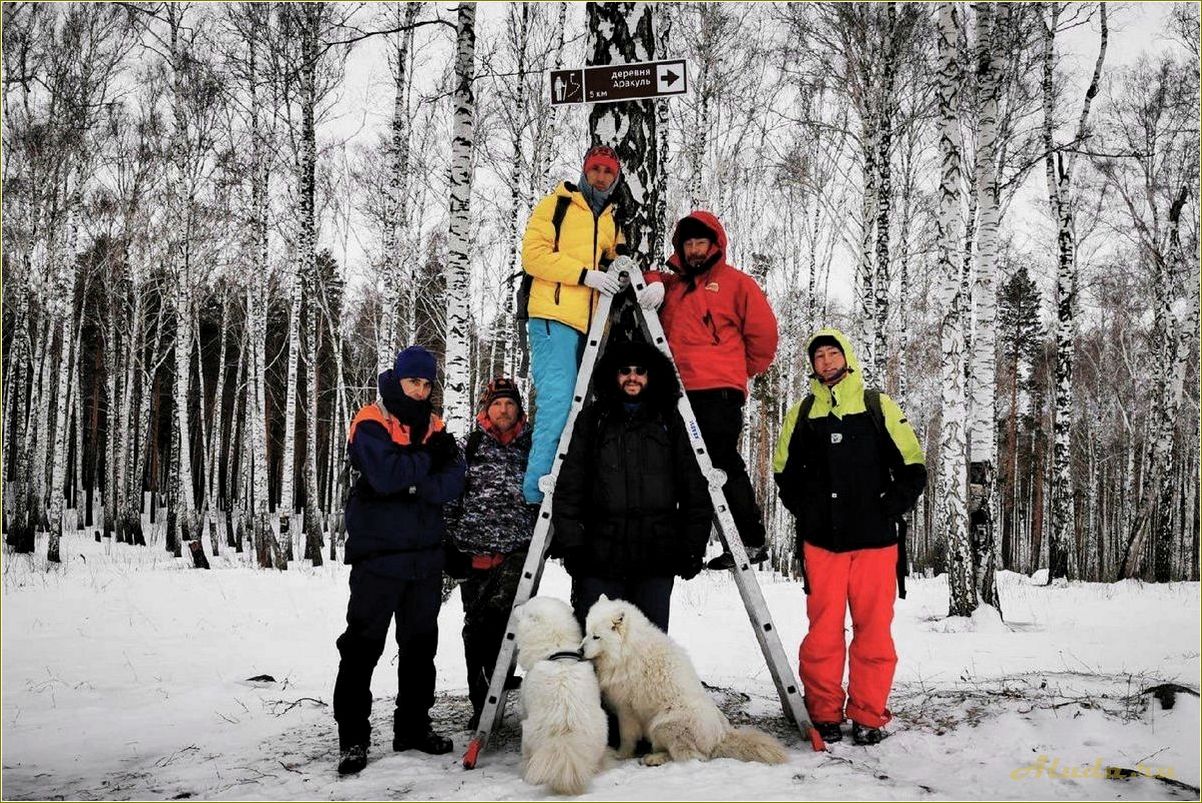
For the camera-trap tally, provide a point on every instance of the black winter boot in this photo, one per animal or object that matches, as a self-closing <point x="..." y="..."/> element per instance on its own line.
<point x="429" y="741"/>
<point x="829" y="731"/>
<point x="862" y="734"/>
<point x="352" y="759"/>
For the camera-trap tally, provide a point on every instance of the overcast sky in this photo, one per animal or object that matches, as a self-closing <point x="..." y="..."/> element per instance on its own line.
<point x="361" y="111"/>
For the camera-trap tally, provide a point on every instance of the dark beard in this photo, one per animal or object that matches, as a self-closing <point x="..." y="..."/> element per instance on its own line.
<point x="692" y="270"/>
<point x="412" y="413"/>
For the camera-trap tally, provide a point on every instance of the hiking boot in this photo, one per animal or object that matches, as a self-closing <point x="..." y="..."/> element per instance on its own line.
<point x="352" y="759"/>
<point x="755" y="555"/>
<point x="428" y="742"/>
<point x="862" y="734"/>
<point x="829" y="731"/>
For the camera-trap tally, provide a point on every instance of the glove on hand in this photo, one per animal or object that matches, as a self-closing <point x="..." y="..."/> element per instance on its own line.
<point x="443" y="451"/>
<point x="651" y="296"/>
<point x="602" y="281"/>
<point x="622" y="263"/>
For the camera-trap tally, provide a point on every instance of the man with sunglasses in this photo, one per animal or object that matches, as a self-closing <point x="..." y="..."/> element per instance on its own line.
<point x="722" y="332"/>
<point x="632" y="511"/>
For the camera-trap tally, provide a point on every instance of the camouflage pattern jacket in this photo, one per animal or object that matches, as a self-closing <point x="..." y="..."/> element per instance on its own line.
<point x="492" y="515"/>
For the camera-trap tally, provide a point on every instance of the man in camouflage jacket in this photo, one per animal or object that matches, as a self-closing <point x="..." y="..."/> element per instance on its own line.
<point x="490" y="529"/>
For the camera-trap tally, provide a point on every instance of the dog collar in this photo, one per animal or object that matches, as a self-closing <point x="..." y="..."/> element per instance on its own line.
<point x="575" y="655"/>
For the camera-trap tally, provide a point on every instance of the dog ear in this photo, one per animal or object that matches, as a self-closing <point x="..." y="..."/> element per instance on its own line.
<point x="602" y="598"/>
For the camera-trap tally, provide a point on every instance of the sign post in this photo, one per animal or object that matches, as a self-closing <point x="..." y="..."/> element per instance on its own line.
<point x="618" y="82"/>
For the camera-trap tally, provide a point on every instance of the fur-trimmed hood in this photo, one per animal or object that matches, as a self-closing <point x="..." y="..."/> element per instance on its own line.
<point x="663" y="388"/>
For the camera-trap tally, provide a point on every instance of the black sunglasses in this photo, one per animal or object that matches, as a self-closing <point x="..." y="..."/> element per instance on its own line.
<point x="637" y="370"/>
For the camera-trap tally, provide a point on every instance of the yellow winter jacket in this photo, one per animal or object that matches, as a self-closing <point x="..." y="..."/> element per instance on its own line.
<point x="586" y="242"/>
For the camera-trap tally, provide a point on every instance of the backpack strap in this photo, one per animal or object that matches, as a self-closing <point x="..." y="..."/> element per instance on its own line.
<point x="522" y="305"/>
<point x="561" y="210"/>
<point x="872" y="401"/>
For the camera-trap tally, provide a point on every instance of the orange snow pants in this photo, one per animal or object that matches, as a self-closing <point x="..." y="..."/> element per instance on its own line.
<point x="866" y="581"/>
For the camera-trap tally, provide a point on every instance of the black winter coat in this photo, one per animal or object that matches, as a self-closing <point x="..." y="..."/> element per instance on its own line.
<point x="630" y="500"/>
<point x="846" y="480"/>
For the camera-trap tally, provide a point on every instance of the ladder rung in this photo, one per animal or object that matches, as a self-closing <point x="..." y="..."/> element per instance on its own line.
<point x="778" y="665"/>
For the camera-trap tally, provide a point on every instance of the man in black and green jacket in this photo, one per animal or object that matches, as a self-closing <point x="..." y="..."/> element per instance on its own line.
<point x="848" y="467"/>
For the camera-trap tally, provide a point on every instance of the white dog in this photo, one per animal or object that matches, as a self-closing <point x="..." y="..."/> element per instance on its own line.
<point x="564" y="729"/>
<point x="651" y="684"/>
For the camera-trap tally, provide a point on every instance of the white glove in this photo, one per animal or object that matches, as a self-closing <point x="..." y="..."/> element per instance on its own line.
<point x="603" y="281"/>
<point x="622" y="263"/>
<point x="651" y="296"/>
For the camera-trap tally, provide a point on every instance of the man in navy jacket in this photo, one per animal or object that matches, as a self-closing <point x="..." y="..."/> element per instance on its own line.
<point x="409" y="467"/>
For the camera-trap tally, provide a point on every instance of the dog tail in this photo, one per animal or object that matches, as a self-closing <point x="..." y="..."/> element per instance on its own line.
<point x="563" y="766"/>
<point x="749" y="744"/>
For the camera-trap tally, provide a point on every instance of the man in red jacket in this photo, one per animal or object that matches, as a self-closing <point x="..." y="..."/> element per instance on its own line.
<point x="722" y="332"/>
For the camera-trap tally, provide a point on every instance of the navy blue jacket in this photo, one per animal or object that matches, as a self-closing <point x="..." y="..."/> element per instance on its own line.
<point x="394" y="517"/>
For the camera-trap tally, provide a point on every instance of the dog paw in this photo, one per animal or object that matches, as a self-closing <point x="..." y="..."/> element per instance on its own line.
<point x="655" y="759"/>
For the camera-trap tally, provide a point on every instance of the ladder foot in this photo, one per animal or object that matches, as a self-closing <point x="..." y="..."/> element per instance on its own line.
<point x="816" y="742"/>
<point x="472" y="755"/>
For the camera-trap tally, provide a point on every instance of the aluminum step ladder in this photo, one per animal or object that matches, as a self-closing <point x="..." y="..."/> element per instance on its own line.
<point x="787" y="686"/>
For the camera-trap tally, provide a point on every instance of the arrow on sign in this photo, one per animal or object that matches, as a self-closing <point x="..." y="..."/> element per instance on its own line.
<point x="671" y="77"/>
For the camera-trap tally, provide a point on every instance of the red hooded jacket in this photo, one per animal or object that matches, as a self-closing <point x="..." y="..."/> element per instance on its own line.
<point x="719" y="324"/>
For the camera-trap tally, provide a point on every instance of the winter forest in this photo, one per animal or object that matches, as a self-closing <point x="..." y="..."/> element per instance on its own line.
<point x="221" y="221"/>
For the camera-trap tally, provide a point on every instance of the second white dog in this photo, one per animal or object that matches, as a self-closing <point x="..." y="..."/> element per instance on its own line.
<point x="564" y="729"/>
<point x="655" y="692"/>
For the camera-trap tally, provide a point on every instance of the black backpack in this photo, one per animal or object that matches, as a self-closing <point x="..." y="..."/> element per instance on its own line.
<point x="872" y="402"/>
<point x="523" y="301"/>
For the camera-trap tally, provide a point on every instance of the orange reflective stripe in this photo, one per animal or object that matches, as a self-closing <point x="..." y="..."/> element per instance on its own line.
<point x="396" y="430"/>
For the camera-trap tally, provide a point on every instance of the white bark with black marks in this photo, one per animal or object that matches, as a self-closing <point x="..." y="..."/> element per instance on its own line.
<point x="456" y="395"/>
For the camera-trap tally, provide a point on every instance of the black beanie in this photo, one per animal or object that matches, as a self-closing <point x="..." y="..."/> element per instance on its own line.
<point x="500" y="388"/>
<point x="823" y="340"/>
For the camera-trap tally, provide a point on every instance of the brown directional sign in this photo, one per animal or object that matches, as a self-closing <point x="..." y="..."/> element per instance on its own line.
<point x="616" y="82"/>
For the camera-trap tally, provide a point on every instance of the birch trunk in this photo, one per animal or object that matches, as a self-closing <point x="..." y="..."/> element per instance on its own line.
<point x="397" y="272"/>
<point x="865" y="289"/>
<point x="20" y="534"/>
<point x="884" y="196"/>
<point x="287" y="506"/>
<point x="310" y="54"/>
<point x="1152" y="516"/>
<point x="63" y="312"/>
<point x="181" y="513"/>
<point x="517" y="196"/>
<point x="41" y="435"/>
<point x="256" y="467"/>
<point x="982" y="375"/>
<point x="456" y="401"/>
<point x="621" y="33"/>
<point x="953" y="472"/>
<point x="1058" y="168"/>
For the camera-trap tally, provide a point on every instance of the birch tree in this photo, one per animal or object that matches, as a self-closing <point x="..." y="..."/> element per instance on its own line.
<point x="982" y="428"/>
<point x="621" y="33"/>
<point x="953" y="473"/>
<point x="1058" y="168"/>
<point x="456" y="398"/>
<point x="398" y="253"/>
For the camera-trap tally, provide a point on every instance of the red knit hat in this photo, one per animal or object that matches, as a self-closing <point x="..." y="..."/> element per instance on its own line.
<point x="602" y="155"/>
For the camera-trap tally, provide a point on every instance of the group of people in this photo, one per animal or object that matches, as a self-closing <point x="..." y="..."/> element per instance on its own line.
<point x="632" y="511"/>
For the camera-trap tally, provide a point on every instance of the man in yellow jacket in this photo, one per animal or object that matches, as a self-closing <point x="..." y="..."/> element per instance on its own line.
<point x="567" y="265"/>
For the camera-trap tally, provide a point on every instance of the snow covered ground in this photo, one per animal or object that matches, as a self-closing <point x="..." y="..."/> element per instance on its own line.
<point x="125" y="676"/>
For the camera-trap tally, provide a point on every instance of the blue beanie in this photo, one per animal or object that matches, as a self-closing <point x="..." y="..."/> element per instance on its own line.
<point x="415" y="363"/>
